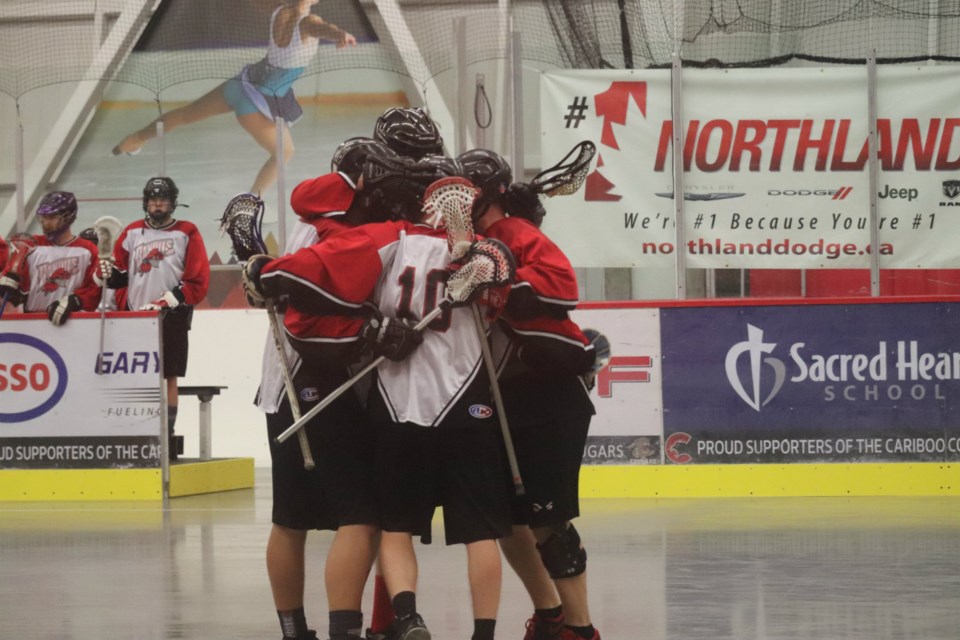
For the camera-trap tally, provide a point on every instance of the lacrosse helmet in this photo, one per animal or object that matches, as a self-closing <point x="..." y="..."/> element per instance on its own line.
<point x="490" y="173"/>
<point x="62" y="204"/>
<point x="409" y="132"/>
<point x="352" y="154"/>
<point x="160" y="188"/>
<point x="90" y="235"/>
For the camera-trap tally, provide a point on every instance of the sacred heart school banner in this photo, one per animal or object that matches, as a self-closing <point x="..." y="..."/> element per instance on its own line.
<point x="775" y="167"/>
<point x="811" y="383"/>
<point x="57" y="413"/>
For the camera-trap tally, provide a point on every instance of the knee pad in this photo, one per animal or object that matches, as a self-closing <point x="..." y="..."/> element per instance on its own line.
<point x="562" y="555"/>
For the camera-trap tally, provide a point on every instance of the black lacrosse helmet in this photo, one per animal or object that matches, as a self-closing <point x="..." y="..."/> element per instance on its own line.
<point x="90" y="235"/>
<point x="352" y="154"/>
<point x="394" y="187"/>
<point x="409" y="131"/>
<point x="58" y="203"/>
<point x="161" y="188"/>
<point x="490" y="173"/>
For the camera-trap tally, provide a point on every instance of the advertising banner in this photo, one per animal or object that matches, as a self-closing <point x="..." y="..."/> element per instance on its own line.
<point x="775" y="167"/>
<point x="812" y="383"/>
<point x="56" y="412"/>
<point x="627" y="393"/>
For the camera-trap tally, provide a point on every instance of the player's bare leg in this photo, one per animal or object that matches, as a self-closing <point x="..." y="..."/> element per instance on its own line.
<point x="573" y="589"/>
<point x="210" y="104"/>
<point x="399" y="563"/>
<point x="263" y="130"/>
<point x="285" y="567"/>
<point x="520" y="550"/>
<point x="349" y="560"/>
<point x="485" y="574"/>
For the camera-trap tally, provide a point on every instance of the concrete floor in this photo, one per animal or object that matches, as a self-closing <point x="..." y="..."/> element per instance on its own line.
<point x="840" y="568"/>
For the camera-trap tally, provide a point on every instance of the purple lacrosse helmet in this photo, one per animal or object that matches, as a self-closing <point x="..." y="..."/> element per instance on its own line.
<point x="58" y="203"/>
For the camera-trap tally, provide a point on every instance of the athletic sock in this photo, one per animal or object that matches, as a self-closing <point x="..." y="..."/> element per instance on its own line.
<point x="293" y="623"/>
<point x="483" y="629"/>
<point x="383" y="613"/>
<point x="586" y="632"/>
<point x="405" y="604"/>
<point x="550" y="614"/>
<point x="345" y="624"/>
<point x="171" y="417"/>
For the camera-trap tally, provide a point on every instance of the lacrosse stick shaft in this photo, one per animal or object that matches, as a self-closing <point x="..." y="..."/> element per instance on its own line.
<point x="3" y="305"/>
<point x="343" y="388"/>
<point x="308" y="462"/>
<point x="498" y="401"/>
<point x="103" y="326"/>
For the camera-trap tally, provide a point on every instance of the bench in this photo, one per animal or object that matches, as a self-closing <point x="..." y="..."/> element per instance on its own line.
<point x="205" y="396"/>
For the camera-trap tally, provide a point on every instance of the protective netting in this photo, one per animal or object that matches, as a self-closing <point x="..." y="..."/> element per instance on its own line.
<point x="187" y="40"/>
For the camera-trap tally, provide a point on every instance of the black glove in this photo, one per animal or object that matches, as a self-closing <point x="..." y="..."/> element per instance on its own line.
<point x="250" y="278"/>
<point x="601" y="349"/>
<point x="10" y="286"/>
<point x="390" y="337"/>
<point x="59" y="311"/>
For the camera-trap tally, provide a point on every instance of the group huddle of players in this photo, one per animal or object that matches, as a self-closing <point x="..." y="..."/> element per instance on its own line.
<point x="364" y="263"/>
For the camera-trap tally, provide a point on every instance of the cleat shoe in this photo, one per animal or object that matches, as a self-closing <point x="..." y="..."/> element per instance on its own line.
<point x="540" y="628"/>
<point x="570" y="634"/>
<point x="410" y="627"/>
<point x="375" y="636"/>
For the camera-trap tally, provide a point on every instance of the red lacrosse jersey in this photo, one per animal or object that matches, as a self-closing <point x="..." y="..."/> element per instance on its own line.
<point x="541" y="298"/>
<point x="158" y="260"/>
<point x="330" y="193"/>
<point x="55" y="271"/>
<point x="401" y="268"/>
<point x="4" y="254"/>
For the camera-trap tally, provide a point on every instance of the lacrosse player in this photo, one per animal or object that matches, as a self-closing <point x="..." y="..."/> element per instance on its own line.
<point x="438" y="440"/>
<point x="58" y="277"/>
<point x="545" y="401"/>
<point x="261" y="92"/>
<point x="160" y="264"/>
<point x="338" y="495"/>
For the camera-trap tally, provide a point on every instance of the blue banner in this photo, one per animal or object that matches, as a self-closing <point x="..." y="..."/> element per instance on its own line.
<point x="811" y="383"/>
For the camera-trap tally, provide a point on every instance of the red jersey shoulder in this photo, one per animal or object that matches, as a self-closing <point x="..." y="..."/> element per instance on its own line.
<point x="329" y="193"/>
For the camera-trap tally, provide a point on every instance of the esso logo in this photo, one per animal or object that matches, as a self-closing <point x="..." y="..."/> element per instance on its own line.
<point x="33" y="377"/>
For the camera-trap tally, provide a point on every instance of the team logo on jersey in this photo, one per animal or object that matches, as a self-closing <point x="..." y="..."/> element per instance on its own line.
<point x="56" y="275"/>
<point x="480" y="411"/>
<point x="537" y="507"/>
<point x="310" y="394"/>
<point x="151" y="254"/>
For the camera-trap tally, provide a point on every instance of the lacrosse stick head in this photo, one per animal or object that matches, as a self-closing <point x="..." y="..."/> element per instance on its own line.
<point x="567" y="176"/>
<point x="108" y="229"/>
<point x="449" y="201"/>
<point x="242" y="220"/>
<point x="487" y="264"/>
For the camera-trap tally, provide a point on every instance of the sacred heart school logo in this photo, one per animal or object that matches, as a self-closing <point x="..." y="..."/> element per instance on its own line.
<point x="754" y="349"/>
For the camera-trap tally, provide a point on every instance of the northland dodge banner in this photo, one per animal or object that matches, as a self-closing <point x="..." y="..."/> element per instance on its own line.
<point x="840" y="383"/>
<point x="775" y="167"/>
<point x="57" y="413"/>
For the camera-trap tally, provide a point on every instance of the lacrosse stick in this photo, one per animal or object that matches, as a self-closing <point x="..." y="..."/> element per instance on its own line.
<point x="21" y="246"/>
<point x="460" y="237"/>
<point x="486" y="264"/>
<point x="108" y="230"/>
<point x="242" y="222"/>
<point x="567" y="176"/>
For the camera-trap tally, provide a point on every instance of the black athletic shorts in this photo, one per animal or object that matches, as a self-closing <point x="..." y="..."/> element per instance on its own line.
<point x="549" y="418"/>
<point x="461" y="469"/>
<point x="298" y="501"/>
<point x="176" y="328"/>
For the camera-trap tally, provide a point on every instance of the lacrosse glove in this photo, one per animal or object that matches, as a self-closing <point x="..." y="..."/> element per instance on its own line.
<point x="390" y="337"/>
<point x="103" y="271"/>
<point x="59" y="311"/>
<point x="250" y="278"/>
<point x="10" y="289"/>
<point x="170" y="300"/>
<point x="601" y="349"/>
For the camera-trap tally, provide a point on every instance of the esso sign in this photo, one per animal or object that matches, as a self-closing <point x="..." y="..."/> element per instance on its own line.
<point x="33" y="377"/>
